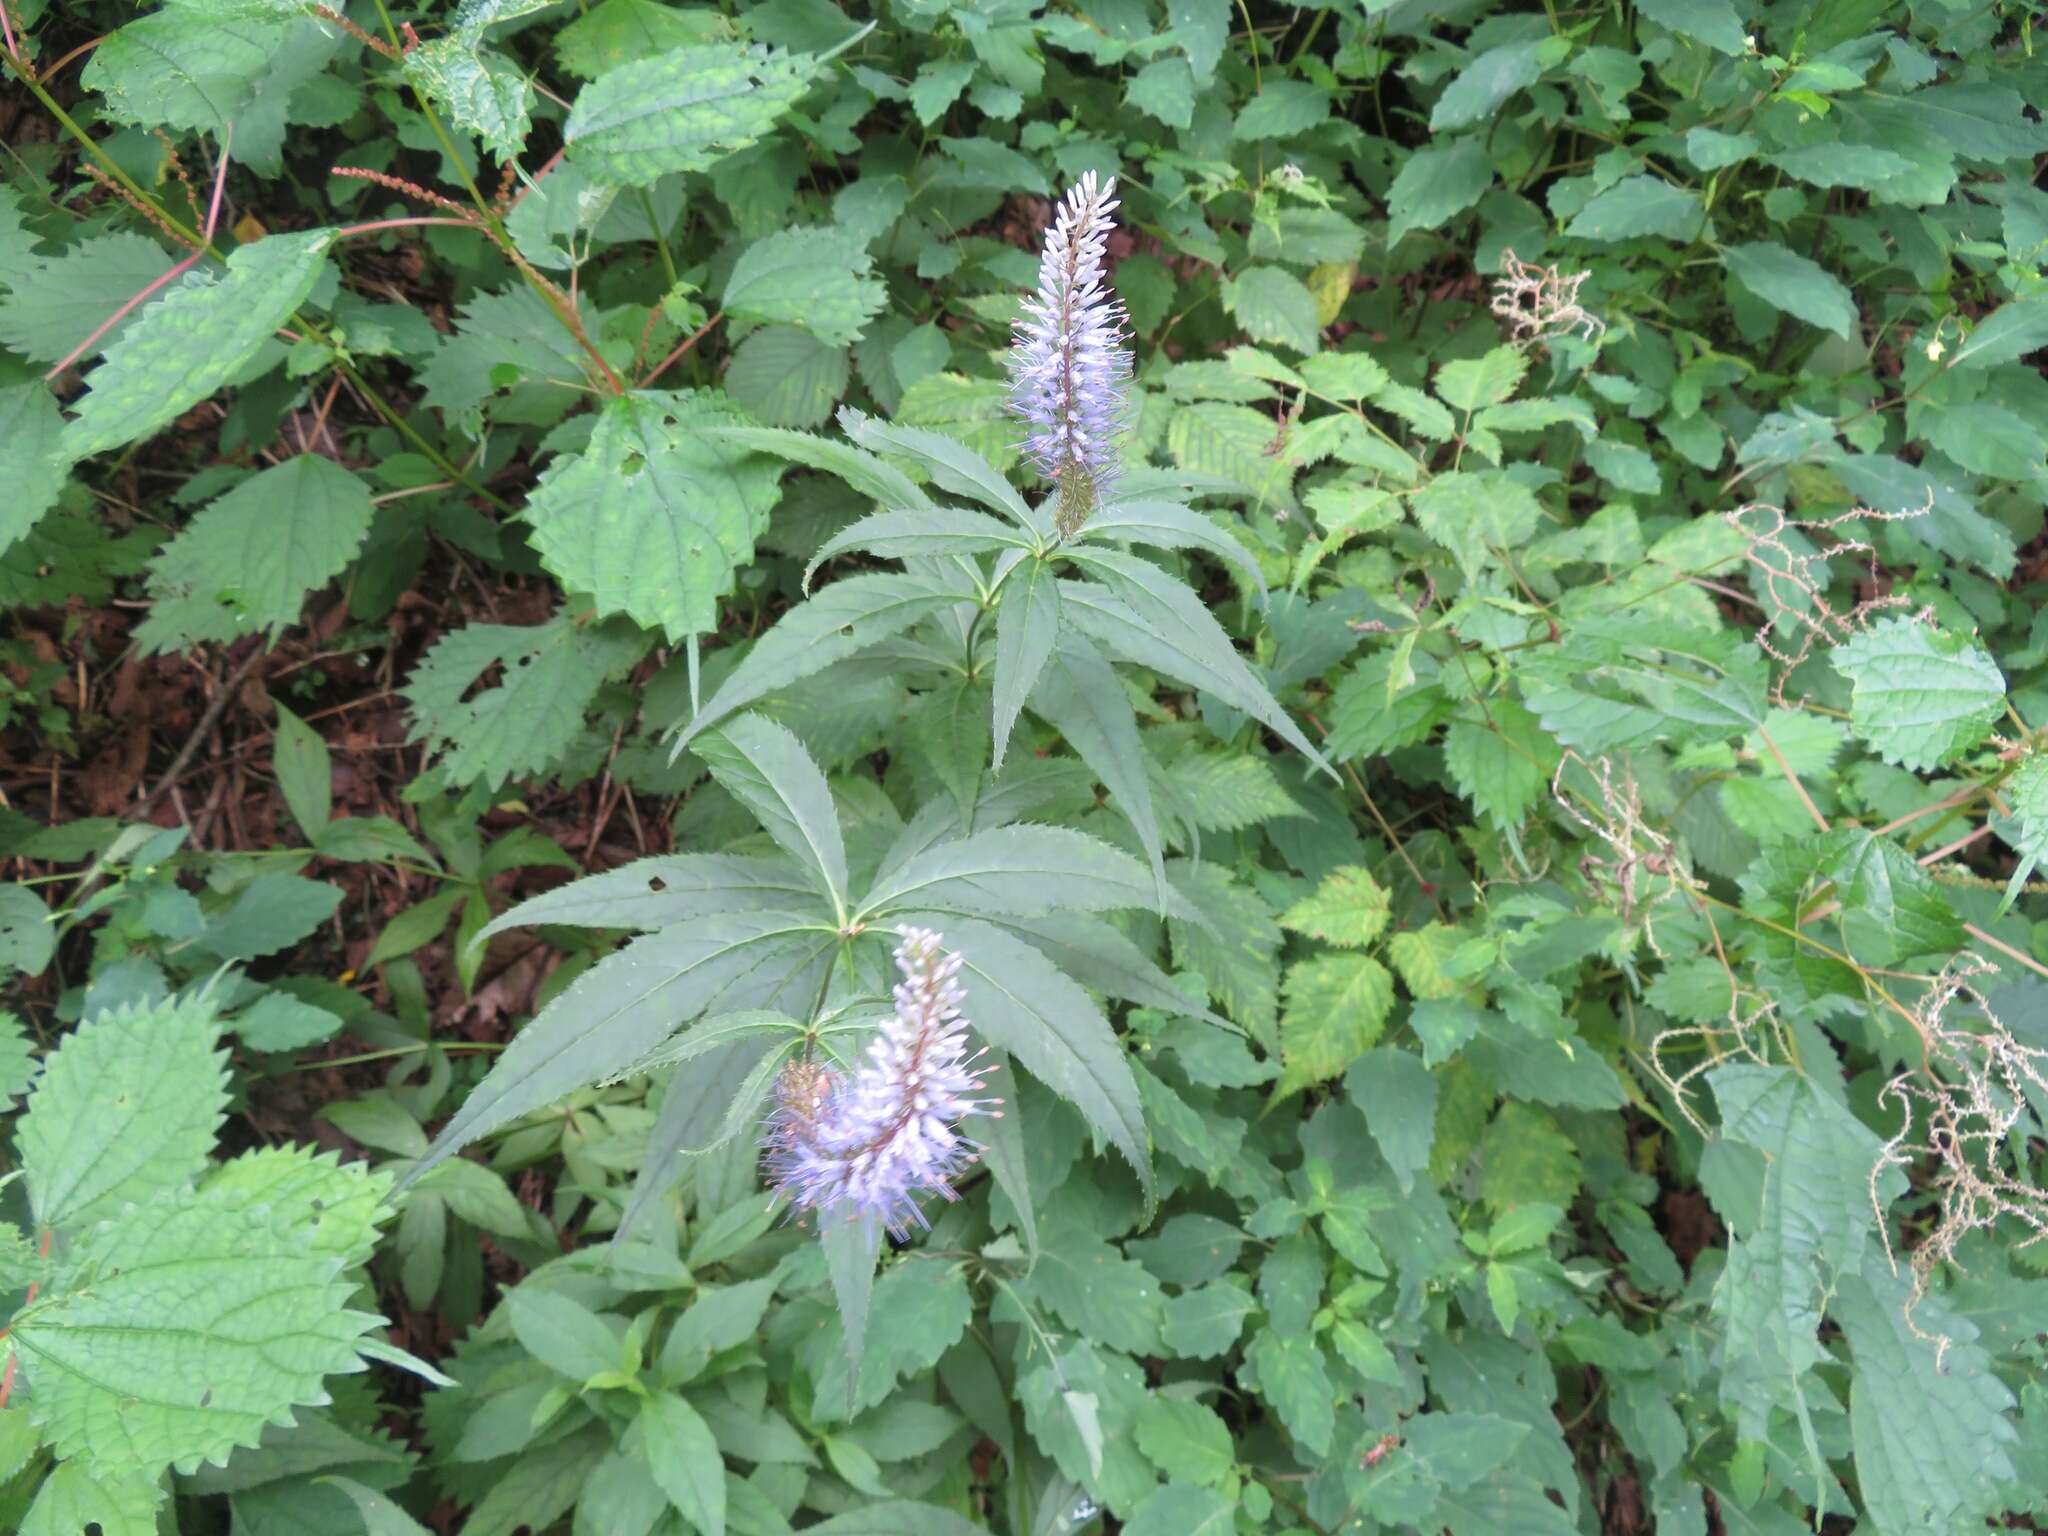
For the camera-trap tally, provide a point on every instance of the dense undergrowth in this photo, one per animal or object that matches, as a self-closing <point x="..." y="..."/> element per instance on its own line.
<point x="1493" y="865"/>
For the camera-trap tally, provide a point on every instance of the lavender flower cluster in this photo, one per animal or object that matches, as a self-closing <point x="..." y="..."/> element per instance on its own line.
<point x="1068" y="366"/>
<point x="873" y="1144"/>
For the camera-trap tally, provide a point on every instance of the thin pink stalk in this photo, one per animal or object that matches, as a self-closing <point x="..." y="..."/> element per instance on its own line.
<point x="220" y="181"/>
<point x="364" y="229"/>
<point x="7" y="28"/>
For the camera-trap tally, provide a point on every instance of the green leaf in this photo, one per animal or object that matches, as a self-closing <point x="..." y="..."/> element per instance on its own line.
<point x="550" y="675"/>
<point x="1473" y="513"/>
<point x="270" y="913"/>
<point x="127" y="1109"/>
<point x="1987" y="439"/>
<point x="765" y="767"/>
<point x="28" y="933"/>
<point x="1786" y="280"/>
<point x="58" y="301"/>
<point x="80" y="1497"/>
<point x="661" y="892"/>
<point x="1441" y="179"/>
<point x="845" y="618"/>
<point x="1483" y="87"/>
<point x="1397" y="1096"/>
<point x="896" y="1517"/>
<point x="1178" y="1510"/>
<point x="2028" y="791"/>
<point x="193" y="339"/>
<point x="919" y="533"/>
<point x="245" y="564"/>
<point x="629" y="1002"/>
<point x="1928" y="1415"/>
<point x="1015" y="872"/>
<point x="1636" y="206"/>
<point x="874" y="478"/>
<point x="481" y="90"/>
<point x="1027" y="624"/>
<point x="2005" y="335"/>
<point x="17" y="1071"/>
<point x="683" y="110"/>
<point x="30" y="463"/>
<point x="1471" y="384"/>
<point x="1502" y="765"/>
<point x="184" y="68"/>
<point x="1295" y="1381"/>
<point x="1714" y="22"/>
<point x="204" y="1321"/>
<point x="1235" y="948"/>
<point x="1018" y="1001"/>
<point x="950" y="460"/>
<point x="787" y="377"/>
<point x="327" y="1206"/>
<point x="1281" y="110"/>
<point x="299" y="757"/>
<point x="654" y="520"/>
<point x="1155" y="621"/>
<point x="1335" y="1007"/>
<point x="1205" y="1322"/>
<point x="920" y="1308"/>
<point x="819" y="280"/>
<point x="1096" y="1290"/>
<point x="685" y="1460"/>
<point x="1348" y="908"/>
<point x="1525" y="1159"/>
<point x="1272" y="304"/>
<point x="1168" y="525"/>
<point x="1920" y="696"/>
<point x="1079" y="694"/>
<point x="562" y="1334"/>
<point x="1185" y="1440"/>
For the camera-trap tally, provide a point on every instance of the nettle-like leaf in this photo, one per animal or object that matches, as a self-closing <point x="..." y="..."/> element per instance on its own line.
<point x="653" y="520"/>
<point x="548" y="675"/>
<point x="127" y="1109"/>
<point x="29" y="431"/>
<point x="197" y="336"/>
<point x="1920" y="696"/>
<point x="183" y="1329"/>
<point x="683" y="110"/>
<point x="481" y="90"/>
<point x="815" y="279"/>
<point x="245" y="563"/>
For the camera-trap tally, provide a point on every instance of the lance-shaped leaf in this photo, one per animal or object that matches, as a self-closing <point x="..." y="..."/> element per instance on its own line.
<point x="1010" y="872"/>
<point x="918" y="533"/>
<point x="1019" y="1001"/>
<point x="654" y="520"/>
<point x="204" y="1320"/>
<point x="128" y="1108"/>
<point x="683" y="110"/>
<point x="694" y="1106"/>
<point x="660" y="892"/>
<point x="764" y="767"/>
<point x="874" y="478"/>
<point x="192" y="340"/>
<point x="1151" y="619"/>
<point x="847" y="617"/>
<point x="1027" y="624"/>
<point x="1168" y="525"/>
<point x="1103" y="960"/>
<point x="952" y="465"/>
<point x="629" y="1002"/>
<point x="1081" y="695"/>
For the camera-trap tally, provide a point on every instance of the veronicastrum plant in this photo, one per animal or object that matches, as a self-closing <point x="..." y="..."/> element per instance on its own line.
<point x="753" y="972"/>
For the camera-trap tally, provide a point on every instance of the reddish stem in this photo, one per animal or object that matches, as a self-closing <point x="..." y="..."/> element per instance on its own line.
<point x="688" y="342"/>
<point x="42" y="1252"/>
<point x="13" y="52"/>
<point x="552" y="161"/>
<point x="220" y="181"/>
<point x="364" y="229"/>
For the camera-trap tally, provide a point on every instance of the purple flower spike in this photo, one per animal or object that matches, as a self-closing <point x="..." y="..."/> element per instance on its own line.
<point x="872" y="1144"/>
<point x="1068" y="364"/>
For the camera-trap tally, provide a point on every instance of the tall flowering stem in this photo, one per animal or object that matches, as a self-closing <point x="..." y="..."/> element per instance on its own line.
<point x="872" y="1144"/>
<point x="1068" y="365"/>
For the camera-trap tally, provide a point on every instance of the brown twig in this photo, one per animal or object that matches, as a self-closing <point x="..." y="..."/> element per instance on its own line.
<point x="208" y="719"/>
